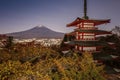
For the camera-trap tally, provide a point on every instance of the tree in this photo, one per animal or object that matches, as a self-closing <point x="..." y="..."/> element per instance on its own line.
<point x="9" y="42"/>
<point x="89" y="70"/>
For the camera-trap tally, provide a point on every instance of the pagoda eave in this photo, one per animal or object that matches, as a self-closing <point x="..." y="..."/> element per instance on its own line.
<point x="89" y="43"/>
<point x="97" y="32"/>
<point x="96" y="22"/>
<point x="71" y="33"/>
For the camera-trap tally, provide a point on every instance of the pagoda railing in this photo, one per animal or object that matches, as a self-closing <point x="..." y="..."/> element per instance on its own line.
<point x="86" y="40"/>
<point x="87" y="28"/>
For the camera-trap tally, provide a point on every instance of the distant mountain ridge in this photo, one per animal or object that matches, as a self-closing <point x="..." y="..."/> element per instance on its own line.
<point x="37" y="32"/>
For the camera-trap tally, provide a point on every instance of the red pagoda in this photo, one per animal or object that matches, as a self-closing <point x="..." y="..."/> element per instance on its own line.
<point x="86" y="31"/>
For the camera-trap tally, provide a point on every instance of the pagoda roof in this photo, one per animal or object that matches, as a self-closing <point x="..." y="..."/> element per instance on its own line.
<point x="103" y="56"/>
<point x="71" y="33"/>
<point x="97" y="32"/>
<point x="96" y="22"/>
<point x="90" y="43"/>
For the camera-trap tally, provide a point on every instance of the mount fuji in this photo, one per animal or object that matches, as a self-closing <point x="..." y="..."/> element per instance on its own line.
<point x="37" y="32"/>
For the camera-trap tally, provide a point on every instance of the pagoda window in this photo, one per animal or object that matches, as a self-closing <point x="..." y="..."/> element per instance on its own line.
<point x="77" y="36"/>
<point x="80" y="48"/>
<point x="77" y="33"/>
<point x="81" y="35"/>
<point x="76" y="47"/>
<point x="79" y="25"/>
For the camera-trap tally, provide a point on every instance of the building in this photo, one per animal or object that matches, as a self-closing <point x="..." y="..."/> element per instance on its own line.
<point x="86" y="31"/>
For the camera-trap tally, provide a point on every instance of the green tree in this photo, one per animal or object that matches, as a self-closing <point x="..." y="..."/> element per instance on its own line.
<point x="9" y="42"/>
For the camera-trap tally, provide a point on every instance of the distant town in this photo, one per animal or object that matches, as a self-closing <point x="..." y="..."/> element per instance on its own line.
<point x="43" y="41"/>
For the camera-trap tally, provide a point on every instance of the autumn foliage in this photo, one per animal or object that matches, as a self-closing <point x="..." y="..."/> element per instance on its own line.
<point x="36" y="62"/>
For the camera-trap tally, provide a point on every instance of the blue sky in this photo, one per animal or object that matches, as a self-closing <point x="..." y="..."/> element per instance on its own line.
<point x="20" y="15"/>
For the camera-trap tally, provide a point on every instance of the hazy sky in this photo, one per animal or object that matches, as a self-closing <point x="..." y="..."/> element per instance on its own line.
<point x="19" y="15"/>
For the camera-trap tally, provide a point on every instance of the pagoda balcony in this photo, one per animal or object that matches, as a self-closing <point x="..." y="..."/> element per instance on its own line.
<point x="86" y="40"/>
<point x="97" y="32"/>
<point x="87" y="28"/>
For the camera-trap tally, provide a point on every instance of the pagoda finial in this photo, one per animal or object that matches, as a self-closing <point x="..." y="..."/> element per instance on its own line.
<point x="85" y="10"/>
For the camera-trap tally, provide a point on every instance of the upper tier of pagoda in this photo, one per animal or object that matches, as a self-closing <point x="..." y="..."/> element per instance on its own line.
<point x="81" y="20"/>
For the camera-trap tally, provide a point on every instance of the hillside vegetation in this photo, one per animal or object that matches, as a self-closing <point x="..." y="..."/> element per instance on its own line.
<point x="34" y="62"/>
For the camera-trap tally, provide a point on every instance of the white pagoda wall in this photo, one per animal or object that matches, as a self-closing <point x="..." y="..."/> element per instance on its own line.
<point x="85" y="25"/>
<point x="90" y="25"/>
<point x="89" y="48"/>
<point x="88" y="37"/>
<point x="85" y="36"/>
<point x="81" y="48"/>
